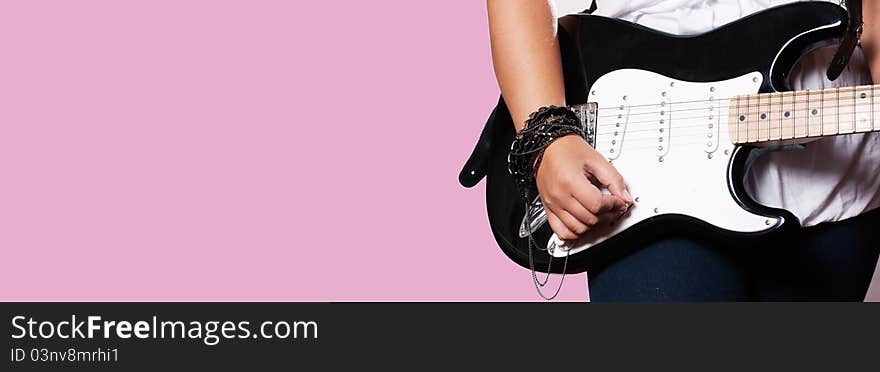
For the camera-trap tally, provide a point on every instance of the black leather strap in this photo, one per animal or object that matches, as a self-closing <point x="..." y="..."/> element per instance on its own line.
<point x="849" y="41"/>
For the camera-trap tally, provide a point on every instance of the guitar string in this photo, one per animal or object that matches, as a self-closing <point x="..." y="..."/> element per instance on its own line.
<point x="867" y="89"/>
<point x="776" y="107"/>
<point x="754" y="134"/>
<point x="796" y="124"/>
<point x="666" y="107"/>
<point x="687" y="122"/>
<point x="762" y="135"/>
<point x="772" y="107"/>
<point x="769" y="123"/>
<point x="653" y="141"/>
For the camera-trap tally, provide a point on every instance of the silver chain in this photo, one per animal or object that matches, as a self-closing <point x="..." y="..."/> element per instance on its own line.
<point x="538" y="283"/>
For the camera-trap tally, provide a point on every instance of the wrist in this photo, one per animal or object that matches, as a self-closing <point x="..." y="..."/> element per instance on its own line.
<point x="543" y="128"/>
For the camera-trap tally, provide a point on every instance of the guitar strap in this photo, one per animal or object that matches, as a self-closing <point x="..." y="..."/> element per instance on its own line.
<point x="591" y="9"/>
<point x="849" y="41"/>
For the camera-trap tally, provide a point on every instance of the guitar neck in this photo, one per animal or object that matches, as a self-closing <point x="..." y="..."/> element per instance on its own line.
<point x="766" y="117"/>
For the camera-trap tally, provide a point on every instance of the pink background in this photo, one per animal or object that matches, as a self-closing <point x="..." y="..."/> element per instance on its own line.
<point x="246" y="150"/>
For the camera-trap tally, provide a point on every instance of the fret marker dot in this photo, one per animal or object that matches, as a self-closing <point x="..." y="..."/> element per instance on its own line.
<point x="787" y="114"/>
<point x="763" y="116"/>
<point x="742" y="118"/>
<point x="814" y="112"/>
<point x="863" y="96"/>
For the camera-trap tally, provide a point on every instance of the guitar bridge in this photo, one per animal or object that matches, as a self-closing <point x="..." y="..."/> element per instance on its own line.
<point x="587" y="113"/>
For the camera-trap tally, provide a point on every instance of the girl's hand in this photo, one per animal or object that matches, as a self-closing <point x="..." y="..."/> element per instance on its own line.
<point x="571" y="200"/>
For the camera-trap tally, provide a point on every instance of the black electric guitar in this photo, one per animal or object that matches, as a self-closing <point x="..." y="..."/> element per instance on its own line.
<point x="678" y="117"/>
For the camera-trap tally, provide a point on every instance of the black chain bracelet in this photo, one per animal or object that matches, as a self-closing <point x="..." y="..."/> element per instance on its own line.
<point x="541" y="129"/>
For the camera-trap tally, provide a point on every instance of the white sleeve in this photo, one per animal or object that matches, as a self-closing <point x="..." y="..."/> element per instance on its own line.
<point x="564" y="7"/>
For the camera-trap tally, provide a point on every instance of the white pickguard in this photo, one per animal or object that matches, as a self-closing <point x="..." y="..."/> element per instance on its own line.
<point x="669" y="139"/>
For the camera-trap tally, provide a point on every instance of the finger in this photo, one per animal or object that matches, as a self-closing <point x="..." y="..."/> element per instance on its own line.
<point x="578" y="211"/>
<point x="572" y="223"/>
<point x="610" y="216"/>
<point x="584" y="193"/>
<point x="559" y="228"/>
<point x="588" y="196"/>
<point x="609" y="177"/>
<point x="596" y="202"/>
<point x="612" y="204"/>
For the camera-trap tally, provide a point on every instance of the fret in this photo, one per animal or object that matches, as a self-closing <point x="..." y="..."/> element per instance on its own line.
<point x="846" y="109"/>
<point x="863" y="97"/>
<point x="829" y="112"/>
<point x="743" y="112"/>
<point x="763" y="117"/>
<point x="799" y="113"/>
<point x="875" y="107"/>
<point x="786" y="120"/>
<point x="814" y="113"/>
<point x="751" y="116"/>
<point x="733" y="122"/>
<point x="774" y="117"/>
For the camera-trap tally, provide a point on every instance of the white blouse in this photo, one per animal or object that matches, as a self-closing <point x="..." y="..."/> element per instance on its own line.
<point x="831" y="179"/>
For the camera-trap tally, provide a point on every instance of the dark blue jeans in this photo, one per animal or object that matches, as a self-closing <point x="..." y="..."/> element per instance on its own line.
<point x="828" y="262"/>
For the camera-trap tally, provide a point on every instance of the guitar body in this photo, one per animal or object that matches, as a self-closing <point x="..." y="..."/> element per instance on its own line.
<point x="662" y="121"/>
